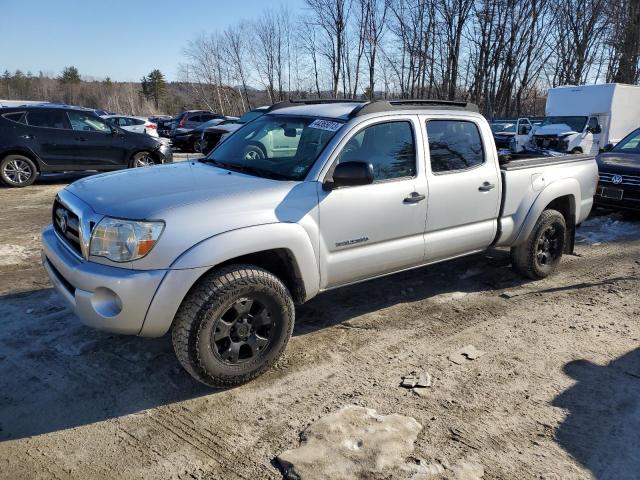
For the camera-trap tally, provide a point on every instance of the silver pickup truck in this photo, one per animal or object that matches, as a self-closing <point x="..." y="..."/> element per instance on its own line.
<point x="219" y="250"/>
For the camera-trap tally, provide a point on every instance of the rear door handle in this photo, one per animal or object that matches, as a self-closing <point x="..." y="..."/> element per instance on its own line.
<point x="486" y="186"/>
<point x="80" y="139"/>
<point x="415" y="197"/>
<point x="26" y="136"/>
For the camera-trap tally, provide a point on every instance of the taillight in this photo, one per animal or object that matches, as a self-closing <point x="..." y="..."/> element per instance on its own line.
<point x="152" y="125"/>
<point x="181" y="124"/>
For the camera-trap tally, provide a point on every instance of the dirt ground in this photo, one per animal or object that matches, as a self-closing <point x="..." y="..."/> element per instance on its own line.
<point x="556" y="396"/>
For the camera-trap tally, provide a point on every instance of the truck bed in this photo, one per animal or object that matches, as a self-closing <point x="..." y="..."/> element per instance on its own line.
<point x="523" y="160"/>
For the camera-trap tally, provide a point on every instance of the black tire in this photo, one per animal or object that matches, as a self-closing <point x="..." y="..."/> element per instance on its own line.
<point x="142" y="159"/>
<point x="218" y="305"/>
<point x="18" y="171"/>
<point x="539" y="256"/>
<point x="254" y="152"/>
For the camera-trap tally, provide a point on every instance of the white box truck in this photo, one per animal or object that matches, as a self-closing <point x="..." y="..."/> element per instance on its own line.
<point x="585" y="118"/>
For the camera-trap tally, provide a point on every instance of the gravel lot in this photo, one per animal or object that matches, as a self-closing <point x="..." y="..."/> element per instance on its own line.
<point x="556" y="396"/>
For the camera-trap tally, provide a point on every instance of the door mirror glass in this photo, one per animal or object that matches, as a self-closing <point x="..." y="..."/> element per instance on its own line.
<point x="351" y="174"/>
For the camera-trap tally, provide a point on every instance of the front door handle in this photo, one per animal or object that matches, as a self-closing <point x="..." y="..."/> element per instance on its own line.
<point x="26" y="136"/>
<point x="486" y="186"/>
<point x="80" y="139"/>
<point x="415" y="197"/>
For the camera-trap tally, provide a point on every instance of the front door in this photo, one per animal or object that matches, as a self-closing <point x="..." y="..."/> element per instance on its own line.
<point x="523" y="134"/>
<point x="375" y="229"/>
<point x="464" y="188"/>
<point x="94" y="143"/>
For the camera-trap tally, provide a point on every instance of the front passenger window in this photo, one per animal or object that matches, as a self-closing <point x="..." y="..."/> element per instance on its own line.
<point x="87" y="122"/>
<point x="389" y="147"/>
<point x="454" y="145"/>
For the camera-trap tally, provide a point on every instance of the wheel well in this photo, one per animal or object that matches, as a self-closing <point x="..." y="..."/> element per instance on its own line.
<point x="29" y="155"/>
<point x="566" y="206"/>
<point x="281" y="263"/>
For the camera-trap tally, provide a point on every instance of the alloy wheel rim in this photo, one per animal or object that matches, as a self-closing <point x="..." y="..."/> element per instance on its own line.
<point x="243" y="332"/>
<point x="252" y="155"/>
<point x="144" y="161"/>
<point x="18" y="171"/>
<point x="548" y="246"/>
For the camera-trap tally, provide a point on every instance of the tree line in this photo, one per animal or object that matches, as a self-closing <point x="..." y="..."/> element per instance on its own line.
<point x="501" y="54"/>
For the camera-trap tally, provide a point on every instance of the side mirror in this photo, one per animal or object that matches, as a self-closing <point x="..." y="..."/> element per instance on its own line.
<point x="351" y="174"/>
<point x="608" y="147"/>
<point x="114" y="130"/>
<point x="597" y="129"/>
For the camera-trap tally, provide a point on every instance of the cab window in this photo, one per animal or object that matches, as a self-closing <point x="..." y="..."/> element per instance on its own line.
<point x="389" y="147"/>
<point x="454" y="145"/>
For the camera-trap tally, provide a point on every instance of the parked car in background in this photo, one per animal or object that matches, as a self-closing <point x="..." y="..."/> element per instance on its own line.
<point x="190" y="119"/>
<point x="361" y="190"/>
<point x="513" y="135"/>
<point x="59" y="138"/>
<point x="619" y="168"/>
<point x="133" y="124"/>
<point x="585" y="118"/>
<point x="210" y="137"/>
<point x="190" y="139"/>
<point x="165" y="125"/>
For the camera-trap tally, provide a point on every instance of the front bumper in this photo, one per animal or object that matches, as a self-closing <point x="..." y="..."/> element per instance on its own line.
<point x="165" y="153"/>
<point x="108" y="298"/>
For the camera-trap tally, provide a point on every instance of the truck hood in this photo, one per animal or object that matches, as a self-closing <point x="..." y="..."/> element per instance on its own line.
<point x="554" y="129"/>
<point x="149" y="193"/>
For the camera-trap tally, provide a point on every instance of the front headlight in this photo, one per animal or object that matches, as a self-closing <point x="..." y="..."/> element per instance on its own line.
<point x="124" y="240"/>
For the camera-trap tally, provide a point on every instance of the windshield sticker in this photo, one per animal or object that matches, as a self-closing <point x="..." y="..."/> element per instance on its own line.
<point x="325" y="125"/>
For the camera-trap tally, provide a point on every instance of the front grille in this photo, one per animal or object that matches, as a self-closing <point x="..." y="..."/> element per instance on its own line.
<point x="67" y="224"/>
<point x="549" y="141"/>
<point x="631" y="180"/>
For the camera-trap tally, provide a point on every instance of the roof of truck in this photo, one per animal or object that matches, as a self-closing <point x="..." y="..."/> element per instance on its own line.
<point x="346" y="109"/>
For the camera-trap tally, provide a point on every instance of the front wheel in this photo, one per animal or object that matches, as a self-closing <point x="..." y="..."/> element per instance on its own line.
<point x="233" y="325"/>
<point x="540" y="255"/>
<point x="142" y="159"/>
<point x="18" y="171"/>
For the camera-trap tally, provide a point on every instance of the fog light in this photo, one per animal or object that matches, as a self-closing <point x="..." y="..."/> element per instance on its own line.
<point x="106" y="302"/>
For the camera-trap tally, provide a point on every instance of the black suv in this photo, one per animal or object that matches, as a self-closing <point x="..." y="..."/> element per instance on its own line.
<point x="619" y="169"/>
<point x="59" y="138"/>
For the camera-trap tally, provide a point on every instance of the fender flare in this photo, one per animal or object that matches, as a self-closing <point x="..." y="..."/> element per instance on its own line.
<point x="189" y="267"/>
<point x="561" y="188"/>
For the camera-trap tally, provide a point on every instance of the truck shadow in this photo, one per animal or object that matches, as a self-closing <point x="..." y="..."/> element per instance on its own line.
<point x="602" y="427"/>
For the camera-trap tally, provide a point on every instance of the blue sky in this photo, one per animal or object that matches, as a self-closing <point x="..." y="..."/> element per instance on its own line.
<point x="123" y="39"/>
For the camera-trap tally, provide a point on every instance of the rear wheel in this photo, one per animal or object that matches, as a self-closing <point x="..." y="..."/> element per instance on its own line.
<point x="142" y="159"/>
<point x="233" y="325"/>
<point x="18" y="171"/>
<point x="540" y="255"/>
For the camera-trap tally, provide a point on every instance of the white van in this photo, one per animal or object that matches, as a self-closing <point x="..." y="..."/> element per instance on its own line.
<point x="585" y="118"/>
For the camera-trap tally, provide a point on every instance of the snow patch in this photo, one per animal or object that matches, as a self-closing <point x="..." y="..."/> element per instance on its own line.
<point x="12" y="254"/>
<point x="605" y="229"/>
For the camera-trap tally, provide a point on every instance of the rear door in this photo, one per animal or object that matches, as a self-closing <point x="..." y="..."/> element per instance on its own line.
<point x="51" y="137"/>
<point x="464" y="187"/>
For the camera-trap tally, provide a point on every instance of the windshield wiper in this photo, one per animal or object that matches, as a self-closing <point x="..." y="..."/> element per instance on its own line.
<point x="245" y="169"/>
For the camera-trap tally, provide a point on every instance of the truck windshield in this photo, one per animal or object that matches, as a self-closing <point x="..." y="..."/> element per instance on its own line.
<point x="275" y="146"/>
<point x="629" y="144"/>
<point x="575" y="123"/>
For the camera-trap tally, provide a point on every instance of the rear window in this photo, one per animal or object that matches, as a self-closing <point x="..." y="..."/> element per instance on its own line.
<point x="18" y="117"/>
<point x="454" y="145"/>
<point x="47" y="119"/>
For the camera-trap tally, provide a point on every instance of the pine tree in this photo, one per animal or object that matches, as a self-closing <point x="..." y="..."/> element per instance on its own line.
<point x="154" y="86"/>
<point x="70" y="75"/>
